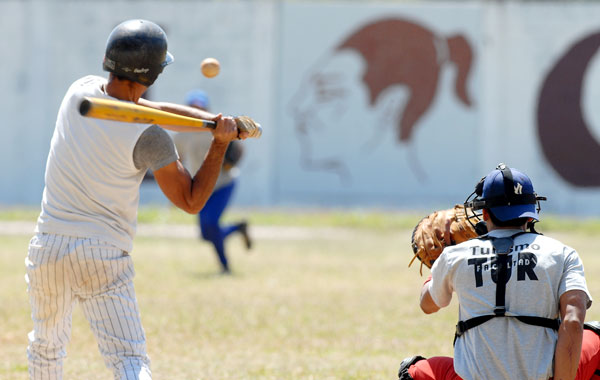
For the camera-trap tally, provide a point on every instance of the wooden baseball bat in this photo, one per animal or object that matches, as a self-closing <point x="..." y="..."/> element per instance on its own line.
<point x="116" y="110"/>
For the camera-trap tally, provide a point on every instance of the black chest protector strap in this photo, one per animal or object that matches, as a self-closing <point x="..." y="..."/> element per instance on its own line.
<point x="502" y="247"/>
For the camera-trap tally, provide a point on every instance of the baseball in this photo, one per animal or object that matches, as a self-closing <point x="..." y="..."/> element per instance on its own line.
<point x="210" y="67"/>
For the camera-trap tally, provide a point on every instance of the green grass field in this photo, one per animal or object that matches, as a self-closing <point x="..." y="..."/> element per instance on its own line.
<point x="340" y="305"/>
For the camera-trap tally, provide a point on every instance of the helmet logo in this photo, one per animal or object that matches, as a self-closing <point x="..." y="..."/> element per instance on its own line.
<point x="144" y="71"/>
<point x="518" y="188"/>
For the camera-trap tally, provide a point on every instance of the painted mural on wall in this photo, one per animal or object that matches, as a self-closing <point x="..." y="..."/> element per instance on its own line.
<point x="565" y="136"/>
<point x="384" y="75"/>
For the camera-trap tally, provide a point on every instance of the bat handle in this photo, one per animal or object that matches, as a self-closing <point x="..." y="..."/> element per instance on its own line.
<point x="244" y="124"/>
<point x="210" y="124"/>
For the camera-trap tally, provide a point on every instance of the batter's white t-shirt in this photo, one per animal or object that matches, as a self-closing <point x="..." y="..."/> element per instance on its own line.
<point x="91" y="181"/>
<point x="192" y="147"/>
<point x="541" y="270"/>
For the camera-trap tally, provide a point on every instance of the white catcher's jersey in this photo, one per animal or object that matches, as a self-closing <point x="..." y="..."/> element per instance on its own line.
<point x="91" y="183"/>
<point x="541" y="270"/>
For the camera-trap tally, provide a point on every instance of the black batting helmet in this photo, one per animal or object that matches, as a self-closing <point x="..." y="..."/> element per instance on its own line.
<point x="137" y="50"/>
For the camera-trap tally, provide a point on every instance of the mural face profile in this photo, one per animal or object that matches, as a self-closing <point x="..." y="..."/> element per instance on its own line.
<point x="382" y="78"/>
<point x="565" y="138"/>
<point x="322" y="112"/>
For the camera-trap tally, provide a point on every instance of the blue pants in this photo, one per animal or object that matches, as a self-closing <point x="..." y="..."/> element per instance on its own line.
<point x="208" y="220"/>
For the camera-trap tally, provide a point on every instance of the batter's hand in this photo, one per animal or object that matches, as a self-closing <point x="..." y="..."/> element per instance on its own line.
<point x="227" y="129"/>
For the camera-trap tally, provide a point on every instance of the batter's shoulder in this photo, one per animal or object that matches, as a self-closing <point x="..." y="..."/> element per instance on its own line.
<point x="89" y="85"/>
<point x="89" y="80"/>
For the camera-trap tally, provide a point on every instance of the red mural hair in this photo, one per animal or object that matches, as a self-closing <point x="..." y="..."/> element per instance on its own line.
<point x="398" y="51"/>
<point x="461" y="55"/>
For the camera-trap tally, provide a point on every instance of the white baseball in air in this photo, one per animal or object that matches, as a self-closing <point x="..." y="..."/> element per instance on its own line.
<point x="210" y="67"/>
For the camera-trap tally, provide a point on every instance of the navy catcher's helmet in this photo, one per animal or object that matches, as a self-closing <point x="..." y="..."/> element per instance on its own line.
<point x="137" y="50"/>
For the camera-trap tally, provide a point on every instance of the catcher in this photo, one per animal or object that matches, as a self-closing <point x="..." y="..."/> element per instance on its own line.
<point x="522" y="296"/>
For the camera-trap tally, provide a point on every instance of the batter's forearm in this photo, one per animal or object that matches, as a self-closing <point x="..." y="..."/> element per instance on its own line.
<point x="206" y="177"/>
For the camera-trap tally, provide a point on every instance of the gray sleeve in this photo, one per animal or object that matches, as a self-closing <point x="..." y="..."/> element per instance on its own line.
<point x="154" y="149"/>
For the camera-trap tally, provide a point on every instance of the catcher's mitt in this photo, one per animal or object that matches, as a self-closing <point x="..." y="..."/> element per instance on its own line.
<point x="437" y="231"/>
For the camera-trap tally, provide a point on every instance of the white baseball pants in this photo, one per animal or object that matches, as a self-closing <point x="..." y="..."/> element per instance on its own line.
<point x="62" y="270"/>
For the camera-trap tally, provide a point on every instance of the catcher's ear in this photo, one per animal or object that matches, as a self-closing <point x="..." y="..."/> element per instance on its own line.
<point x="485" y="215"/>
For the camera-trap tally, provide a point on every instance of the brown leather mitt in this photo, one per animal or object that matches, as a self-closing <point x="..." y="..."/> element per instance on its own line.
<point x="437" y="231"/>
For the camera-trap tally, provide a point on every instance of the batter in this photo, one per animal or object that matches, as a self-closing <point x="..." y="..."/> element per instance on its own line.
<point x="84" y="234"/>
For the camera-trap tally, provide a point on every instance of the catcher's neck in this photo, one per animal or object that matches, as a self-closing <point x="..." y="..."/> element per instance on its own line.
<point x="491" y="226"/>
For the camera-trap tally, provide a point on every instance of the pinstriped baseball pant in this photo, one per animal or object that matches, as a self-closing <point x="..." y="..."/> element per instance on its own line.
<point x="63" y="270"/>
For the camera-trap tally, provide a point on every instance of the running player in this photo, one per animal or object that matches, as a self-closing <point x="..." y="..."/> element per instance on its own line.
<point x="192" y="148"/>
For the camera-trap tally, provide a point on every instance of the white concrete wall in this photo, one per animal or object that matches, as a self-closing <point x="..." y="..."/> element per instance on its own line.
<point x="326" y="141"/>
